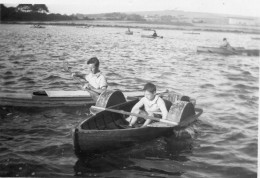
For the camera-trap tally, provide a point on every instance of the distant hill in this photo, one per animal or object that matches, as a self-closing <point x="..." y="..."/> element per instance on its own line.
<point x="181" y="16"/>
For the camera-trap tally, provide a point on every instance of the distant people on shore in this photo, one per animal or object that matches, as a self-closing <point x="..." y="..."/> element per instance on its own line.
<point x="226" y="44"/>
<point x="96" y="80"/>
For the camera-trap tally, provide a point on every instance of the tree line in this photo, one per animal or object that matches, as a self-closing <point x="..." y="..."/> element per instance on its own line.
<point x="40" y="12"/>
<point x="31" y="12"/>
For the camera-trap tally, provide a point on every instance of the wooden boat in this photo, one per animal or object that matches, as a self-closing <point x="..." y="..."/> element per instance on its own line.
<point x="151" y="36"/>
<point x="60" y="98"/>
<point x="225" y="51"/>
<point x="107" y="130"/>
<point x="129" y="32"/>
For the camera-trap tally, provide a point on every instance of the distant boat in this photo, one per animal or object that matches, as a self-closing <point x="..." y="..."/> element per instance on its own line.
<point x="255" y="38"/>
<point x="129" y="32"/>
<point x="225" y="51"/>
<point x="151" y="36"/>
<point x="193" y="33"/>
<point x="37" y="26"/>
<point x="84" y="26"/>
<point x="147" y="29"/>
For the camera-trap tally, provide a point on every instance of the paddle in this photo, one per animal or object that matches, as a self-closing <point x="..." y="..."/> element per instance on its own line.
<point x="134" y="114"/>
<point x="139" y="96"/>
<point x="94" y="94"/>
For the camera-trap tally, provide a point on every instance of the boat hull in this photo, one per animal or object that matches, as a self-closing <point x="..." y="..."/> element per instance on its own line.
<point x="99" y="141"/>
<point x="225" y="51"/>
<point x="129" y="33"/>
<point x="49" y="99"/>
<point x="150" y="36"/>
<point x="107" y="130"/>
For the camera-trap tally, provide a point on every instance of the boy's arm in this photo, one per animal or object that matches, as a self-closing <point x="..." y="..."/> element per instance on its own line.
<point x="78" y="74"/>
<point x="138" y="105"/>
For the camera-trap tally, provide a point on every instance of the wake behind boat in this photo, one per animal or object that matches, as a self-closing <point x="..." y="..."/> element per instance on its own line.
<point x="226" y="51"/>
<point x="107" y="130"/>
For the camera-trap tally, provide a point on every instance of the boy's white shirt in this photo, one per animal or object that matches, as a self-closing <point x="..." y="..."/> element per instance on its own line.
<point x="157" y="104"/>
<point x="97" y="80"/>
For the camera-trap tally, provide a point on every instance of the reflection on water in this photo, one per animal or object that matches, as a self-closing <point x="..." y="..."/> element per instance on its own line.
<point x="39" y="143"/>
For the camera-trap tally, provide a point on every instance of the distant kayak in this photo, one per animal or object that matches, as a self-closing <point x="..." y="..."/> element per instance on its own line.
<point x="37" y="26"/>
<point x="255" y="38"/>
<point x="151" y="36"/>
<point x="129" y="33"/>
<point x="51" y="99"/>
<point x="192" y="33"/>
<point x="225" y="51"/>
<point x="147" y="29"/>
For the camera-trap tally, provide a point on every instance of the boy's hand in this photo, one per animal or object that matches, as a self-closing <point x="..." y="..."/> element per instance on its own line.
<point x="87" y="85"/>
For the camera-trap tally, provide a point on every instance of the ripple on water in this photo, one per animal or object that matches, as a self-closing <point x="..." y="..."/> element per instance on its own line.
<point x="207" y="86"/>
<point x="52" y="77"/>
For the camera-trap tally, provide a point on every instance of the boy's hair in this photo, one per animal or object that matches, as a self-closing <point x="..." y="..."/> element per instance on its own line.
<point x="150" y="87"/>
<point x="93" y="60"/>
<point x="224" y="39"/>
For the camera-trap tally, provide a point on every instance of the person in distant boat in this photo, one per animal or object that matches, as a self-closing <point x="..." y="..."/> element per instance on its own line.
<point x="151" y="103"/>
<point x="226" y="44"/>
<point x="155" y="34"/>
<point x="96" y="80"/>
<point x="128" y="29"/>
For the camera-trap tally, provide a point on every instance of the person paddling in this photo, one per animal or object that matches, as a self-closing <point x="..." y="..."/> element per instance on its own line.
<point x="151" y="103"/>
<point x="226" y="44"/>
<point x="155" y="34"/>
<point x="96" y="80"/>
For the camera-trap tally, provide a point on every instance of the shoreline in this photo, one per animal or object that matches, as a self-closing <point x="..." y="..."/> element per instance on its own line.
<point x="138" y="25"/>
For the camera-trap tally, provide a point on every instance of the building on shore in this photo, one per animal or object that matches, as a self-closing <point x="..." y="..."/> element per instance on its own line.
<point x="242" y="21"/>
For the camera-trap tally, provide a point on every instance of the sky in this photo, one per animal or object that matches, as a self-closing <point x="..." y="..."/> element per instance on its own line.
<point x="230" y="7"/>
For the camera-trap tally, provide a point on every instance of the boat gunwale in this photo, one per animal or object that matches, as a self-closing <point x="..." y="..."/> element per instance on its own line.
<point x="193" y="117"/>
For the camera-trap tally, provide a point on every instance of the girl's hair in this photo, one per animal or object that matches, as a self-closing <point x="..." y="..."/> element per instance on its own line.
<point x="150" y="87"/>
<point x="93" y="60"/>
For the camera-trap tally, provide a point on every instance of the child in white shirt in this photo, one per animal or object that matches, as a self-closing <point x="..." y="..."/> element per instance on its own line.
<point x="151" y="102"/>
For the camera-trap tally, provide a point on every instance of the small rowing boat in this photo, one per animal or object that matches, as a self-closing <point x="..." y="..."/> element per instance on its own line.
<point x="107" y="130"/>
<point x="151" y="36"/>
<point x="226" y="51"/>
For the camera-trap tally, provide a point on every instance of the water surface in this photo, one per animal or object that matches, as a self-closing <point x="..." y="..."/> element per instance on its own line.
<point x="39" y="143"/>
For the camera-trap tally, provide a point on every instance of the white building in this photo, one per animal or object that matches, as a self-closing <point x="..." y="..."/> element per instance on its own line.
<point x="242" y="21"/>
